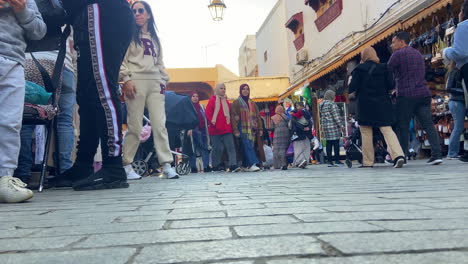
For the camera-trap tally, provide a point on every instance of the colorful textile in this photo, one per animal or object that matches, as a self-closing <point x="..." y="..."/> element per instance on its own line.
<point x="248" y="118"/>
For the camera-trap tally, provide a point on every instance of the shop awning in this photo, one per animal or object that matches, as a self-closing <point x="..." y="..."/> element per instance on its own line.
<point x="399" y="25"/>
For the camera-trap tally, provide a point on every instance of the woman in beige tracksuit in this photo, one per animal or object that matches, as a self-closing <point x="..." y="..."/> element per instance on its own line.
<point x="145" y="81"/>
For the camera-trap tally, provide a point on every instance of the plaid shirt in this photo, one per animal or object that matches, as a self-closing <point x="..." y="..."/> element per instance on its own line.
<point x="409" y="70"/>
<point x="330" y="120"/>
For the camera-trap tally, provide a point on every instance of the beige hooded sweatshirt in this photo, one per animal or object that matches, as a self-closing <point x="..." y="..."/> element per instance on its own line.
<point x="143" y="62"/>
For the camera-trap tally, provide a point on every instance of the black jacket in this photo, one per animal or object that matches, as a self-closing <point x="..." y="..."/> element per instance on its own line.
<point x="374" y="106"/>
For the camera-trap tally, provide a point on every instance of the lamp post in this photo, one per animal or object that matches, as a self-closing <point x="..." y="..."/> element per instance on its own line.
<point x="216" y="9"/>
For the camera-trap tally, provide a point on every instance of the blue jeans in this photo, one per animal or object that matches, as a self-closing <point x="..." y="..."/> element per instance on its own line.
<point x="458" y="111"/>
<point x="200" y="148"/>
<point x="66" y="134"/>
<point x="249" y="157"/>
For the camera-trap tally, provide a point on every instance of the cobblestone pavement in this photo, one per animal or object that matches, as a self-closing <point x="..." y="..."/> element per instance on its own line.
<point x="321" y="215"/>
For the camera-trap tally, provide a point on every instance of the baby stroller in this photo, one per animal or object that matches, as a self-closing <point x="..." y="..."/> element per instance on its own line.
<point x="181" y="114"/>
<point x="353" y="147"/>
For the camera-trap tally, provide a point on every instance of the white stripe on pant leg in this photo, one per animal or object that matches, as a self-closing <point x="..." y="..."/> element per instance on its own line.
<point x="101" y="81"/>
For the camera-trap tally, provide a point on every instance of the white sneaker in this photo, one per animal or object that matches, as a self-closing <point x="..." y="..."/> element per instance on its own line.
<point x="253" y="168"/>
<point x="169" y="172"/>
<point x="131" y="174"/>
<point x="13" y="190"/>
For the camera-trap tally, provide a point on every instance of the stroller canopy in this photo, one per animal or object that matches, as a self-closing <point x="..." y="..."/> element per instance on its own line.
<point x="180" y="112"/>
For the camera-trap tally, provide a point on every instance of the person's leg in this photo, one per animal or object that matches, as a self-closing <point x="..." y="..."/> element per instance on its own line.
<point x="157" y="114"/>
<point x="25" y="158"/>
<point x="405" y="111"/>
<point x="392" y="142"/>
<point x="329" y="152"/>
<point x="217" y="151"/>
<point x="424" y="115"/>
<point x="109" y="32"/>
<point x="367" y="145"/>
<point x="66" y="135"/>
<point x="12" y="89"/>
<point x="458" y="113"/>
<point x="336" y="150"/>
<point x="135" y="110"/>
<point x="248" y="151"/>
<point x="228" y="140"/>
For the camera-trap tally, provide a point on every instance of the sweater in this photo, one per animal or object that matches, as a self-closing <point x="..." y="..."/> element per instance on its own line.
<point x="459" y="50"/>
<point x="221" y="127"/>
<point x="16" y="28"/>
<point x="143" y="62"/>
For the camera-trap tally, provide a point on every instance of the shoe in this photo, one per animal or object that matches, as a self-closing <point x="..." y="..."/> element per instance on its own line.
<point x="131" y="174"/>
<point x="235" y="168"/>
<point x="399" y="162"/>
<point x="169" y="172"/>
<point x="303" y="164"/>
<point x="253" y="168"/>
<point x="365" y="167"/>
<point x="284" y="168"/>
<point x="76" y="173"/>
<point x="454" y="158"/>
<point x="434" y="161"/>
<point x="339" y="164"/>
<point x="389" y="162"/>
<point x="13" y="190"/>
<point x="194" y="170"/>
<point x="208" y="169"/>
<point x="105" y="178"/>
<point x="330" y="164"/>
<point x="464" y="158"/>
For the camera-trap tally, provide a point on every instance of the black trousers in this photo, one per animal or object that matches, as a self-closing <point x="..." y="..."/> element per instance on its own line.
<point x="419" y="107"/>
<point x="102" y="34"/>
<point x="335" y="144"/>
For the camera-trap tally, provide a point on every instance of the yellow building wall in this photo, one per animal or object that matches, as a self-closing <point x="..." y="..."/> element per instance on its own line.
<point x="261" y="88"/>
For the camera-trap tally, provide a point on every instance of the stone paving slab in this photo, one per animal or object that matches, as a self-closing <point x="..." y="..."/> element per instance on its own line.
<point x="233" y="249"/>
<point x="418" y="214"/>
<point x="397" y="241"/>
<point x="93" y="256"/>
<point x="427" y="258"/>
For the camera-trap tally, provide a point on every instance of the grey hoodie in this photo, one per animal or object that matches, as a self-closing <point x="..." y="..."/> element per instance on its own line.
<point x="16" y="28"/>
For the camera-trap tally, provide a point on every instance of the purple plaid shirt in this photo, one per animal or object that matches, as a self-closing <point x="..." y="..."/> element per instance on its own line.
<point x="409" y="70"/>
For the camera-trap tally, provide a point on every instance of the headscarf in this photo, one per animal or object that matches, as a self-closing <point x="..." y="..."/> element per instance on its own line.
<point x="279" y="114"/>
<point x="221" y="101"/>
<point x="197" y="106"/>
<point x="329" y="95"/>
<point x="246" y="98"/>
<point x="369" y="54"/>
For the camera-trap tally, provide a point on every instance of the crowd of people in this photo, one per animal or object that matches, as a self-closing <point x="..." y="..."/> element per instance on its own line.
<point x="114" y="42"/>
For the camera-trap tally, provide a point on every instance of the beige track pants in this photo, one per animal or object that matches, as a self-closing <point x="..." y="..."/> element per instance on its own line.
<point x="393" y="144"/>
<point x="148" y="94"/>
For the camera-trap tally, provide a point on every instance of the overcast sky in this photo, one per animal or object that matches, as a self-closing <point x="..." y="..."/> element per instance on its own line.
<point x="187" y="30"/>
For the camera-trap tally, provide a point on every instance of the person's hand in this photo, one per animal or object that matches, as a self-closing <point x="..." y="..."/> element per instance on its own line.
<point x="237" y="135"/>
<point x="189" y="133"/>
<point x="260" y="132"/>
<point x="17" y="5"/>
<point x="129" y="90"/>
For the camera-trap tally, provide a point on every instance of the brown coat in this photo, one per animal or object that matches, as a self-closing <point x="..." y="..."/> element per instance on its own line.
<point x="235" y="117"/>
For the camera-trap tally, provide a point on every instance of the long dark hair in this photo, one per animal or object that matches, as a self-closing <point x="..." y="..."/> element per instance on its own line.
<point x="465" y="10"/>
<point x="151" y="27"/>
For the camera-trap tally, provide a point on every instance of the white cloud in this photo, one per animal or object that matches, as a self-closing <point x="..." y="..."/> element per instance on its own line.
<point x="186" y="28"/>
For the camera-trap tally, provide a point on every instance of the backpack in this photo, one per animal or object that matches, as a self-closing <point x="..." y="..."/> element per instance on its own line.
<point x="54" y="17"/>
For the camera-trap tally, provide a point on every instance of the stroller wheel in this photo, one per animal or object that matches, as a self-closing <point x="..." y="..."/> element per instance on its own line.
<point x="349" y="163"/>
<point x="140" y="167"/>
<point x="183" y="168"/>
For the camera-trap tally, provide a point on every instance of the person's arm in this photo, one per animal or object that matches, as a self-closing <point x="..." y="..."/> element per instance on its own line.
<point x="29" y="19"/>
<point x="389" y="80"/>
<point x="355" y="82"/>
<point x="162" y="68"/>
<point x="124" y="73"/>
<point x="459" y="49"/>
<point x="210" y="110"/>
<point x="336" y="115"/>
<point x="394" y="61"/>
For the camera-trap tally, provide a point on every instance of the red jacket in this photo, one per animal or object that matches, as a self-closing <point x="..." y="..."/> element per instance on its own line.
<point x="221" y="127"/>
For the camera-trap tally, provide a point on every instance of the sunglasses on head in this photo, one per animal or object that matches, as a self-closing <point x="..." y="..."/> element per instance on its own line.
<point x="139" y="11"/>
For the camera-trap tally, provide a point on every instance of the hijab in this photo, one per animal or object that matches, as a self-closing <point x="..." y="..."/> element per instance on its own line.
<point x="246" y="98"/>
<point x="280" y="115"/>
<point x="221" y="101"/>
<point x="198" y="108"/>
<point x="369" y="54"/>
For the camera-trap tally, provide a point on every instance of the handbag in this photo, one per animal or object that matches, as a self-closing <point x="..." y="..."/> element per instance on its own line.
<point x="54" y="17"/>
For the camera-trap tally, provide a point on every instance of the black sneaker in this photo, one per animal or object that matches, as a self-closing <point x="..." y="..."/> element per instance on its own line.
<point x="330" y="164"/>
<point x="464" y="158"/>
<point x="339" y="164"/>
<point x="106" y="178"/>
<point x="234" y="168"/>
<point x="208" y="169"/>
<point x="399" y="162"/>
<point x="284" y="168"/>
<point x="76" y="173"/>
<point x="435" y="161"/>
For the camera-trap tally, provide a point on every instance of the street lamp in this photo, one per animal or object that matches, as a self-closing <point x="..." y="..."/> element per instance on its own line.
<point x="216" y="9"/>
